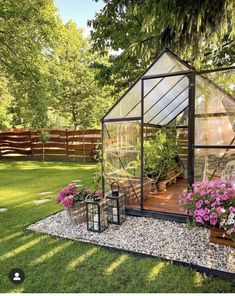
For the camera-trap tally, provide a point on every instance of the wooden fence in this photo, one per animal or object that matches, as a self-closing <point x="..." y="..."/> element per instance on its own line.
<point x="61" y="145"/>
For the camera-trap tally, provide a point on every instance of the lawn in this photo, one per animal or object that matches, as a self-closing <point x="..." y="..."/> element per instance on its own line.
<point x="58" y="265"/>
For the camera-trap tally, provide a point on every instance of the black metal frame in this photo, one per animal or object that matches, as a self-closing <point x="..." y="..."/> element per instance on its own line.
<point x="191" y="74"/>
<point x="96" y="204"/>
<point x="120" y="198"/>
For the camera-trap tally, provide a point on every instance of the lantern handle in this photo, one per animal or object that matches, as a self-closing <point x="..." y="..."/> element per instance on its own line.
<point x="111" y="185"/>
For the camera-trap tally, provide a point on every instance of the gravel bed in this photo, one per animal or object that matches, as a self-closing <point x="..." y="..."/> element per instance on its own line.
<point x="160" y="238"/>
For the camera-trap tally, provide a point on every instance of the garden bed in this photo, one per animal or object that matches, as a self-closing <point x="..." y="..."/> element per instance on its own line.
<point x="148" y="236"/>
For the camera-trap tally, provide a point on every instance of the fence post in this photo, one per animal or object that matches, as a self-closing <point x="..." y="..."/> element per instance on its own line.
<point x="31" y="144"/>
<point x="84" y="149"/>
<point x="67" y="143"/>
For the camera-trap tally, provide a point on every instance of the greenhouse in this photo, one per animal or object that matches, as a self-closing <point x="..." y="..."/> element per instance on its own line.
<point x="172" y="128"/>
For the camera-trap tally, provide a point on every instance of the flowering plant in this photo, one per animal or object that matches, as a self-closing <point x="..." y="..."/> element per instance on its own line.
<point x="70" y="195"/>
<point x="211" y="203"/>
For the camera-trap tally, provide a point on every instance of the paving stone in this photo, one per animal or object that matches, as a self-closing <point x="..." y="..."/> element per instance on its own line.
<point x="2" y="210"/>
<point x="46" y="192"/>
<point x="41" y="201"/>
<point x="75" y="181"/>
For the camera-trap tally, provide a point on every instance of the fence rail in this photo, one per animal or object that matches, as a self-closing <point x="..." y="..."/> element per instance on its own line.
<point x="61" y="144"/>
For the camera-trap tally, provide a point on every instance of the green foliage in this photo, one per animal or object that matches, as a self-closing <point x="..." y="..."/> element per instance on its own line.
<point x="79" y="98"/>
<point x="200" y="31"/>
<point x="44" y="136"/>
<point x="49" y="68"/>
<point x="160" y="154"/>
<point x="5" y="101"/>
<point x="28" y="33"/>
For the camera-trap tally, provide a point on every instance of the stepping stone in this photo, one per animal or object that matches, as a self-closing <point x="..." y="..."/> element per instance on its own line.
<point x="2" y="210"/>
<point x="46" y="192"/>
<point x="75" y="181"/>
<point x="41" y="201"/>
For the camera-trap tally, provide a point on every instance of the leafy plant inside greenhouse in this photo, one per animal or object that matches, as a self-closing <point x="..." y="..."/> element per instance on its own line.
<point x="161" y="154"/>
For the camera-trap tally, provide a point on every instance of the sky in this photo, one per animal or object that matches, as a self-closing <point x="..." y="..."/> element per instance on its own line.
<point x="79" y="11"/>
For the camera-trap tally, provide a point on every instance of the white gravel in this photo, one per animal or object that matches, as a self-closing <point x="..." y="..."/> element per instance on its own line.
<point x="166" y="239"/>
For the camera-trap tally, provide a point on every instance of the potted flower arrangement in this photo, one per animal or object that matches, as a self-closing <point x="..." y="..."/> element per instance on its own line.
<point x="213" y="204"/>
<point x="73" y="200"/>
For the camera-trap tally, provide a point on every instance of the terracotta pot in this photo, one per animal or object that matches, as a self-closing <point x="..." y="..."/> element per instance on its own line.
<point x="162" y="186"/>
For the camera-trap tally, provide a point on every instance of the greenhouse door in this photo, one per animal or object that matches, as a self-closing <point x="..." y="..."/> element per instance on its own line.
<point x="167" y="102"/>
<point x="122" y="158"/>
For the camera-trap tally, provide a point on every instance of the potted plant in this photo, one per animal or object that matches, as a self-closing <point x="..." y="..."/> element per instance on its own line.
<point x="161" y="154"/>
<point x="73" y="200"/>
<point x="213" y="204"/>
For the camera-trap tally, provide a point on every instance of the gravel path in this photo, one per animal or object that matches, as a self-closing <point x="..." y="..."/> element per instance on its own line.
<point x="155" y="237"/>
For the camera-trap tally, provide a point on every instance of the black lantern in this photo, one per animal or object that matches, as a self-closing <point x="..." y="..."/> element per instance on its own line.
<point x="97" y="214"/>
<point x="116" y="206"/>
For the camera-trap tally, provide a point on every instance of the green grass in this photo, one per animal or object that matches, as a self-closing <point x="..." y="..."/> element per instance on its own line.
<point x="58" y="265"/>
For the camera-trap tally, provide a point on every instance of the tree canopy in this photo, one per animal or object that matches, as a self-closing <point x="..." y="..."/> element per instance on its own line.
<point x="202" y="32"/>
<point x="48" y="66"/>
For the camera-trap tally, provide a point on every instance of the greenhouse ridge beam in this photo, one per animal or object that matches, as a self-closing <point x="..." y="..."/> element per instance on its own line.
<point x="184" y="72"/>
<point x="121" y="119"/>
<point x="215" y="70"/>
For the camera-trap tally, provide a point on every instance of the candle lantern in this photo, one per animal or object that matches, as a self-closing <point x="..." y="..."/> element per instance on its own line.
<point x="116" y="205"/>
<point x="97" y="214"/>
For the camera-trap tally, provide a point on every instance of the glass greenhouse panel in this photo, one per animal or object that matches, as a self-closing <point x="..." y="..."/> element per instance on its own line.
<point x="213" y="164"/>
<point x="122" y="155"/>
<point x="130" y="104"/>
<point x="166" y="100"/>
<point x="215" y="108"/>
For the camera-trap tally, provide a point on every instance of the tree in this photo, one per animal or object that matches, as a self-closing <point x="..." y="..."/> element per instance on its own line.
<point x="28" y="34"/>
<point x="5" y="101"/>
<point x="195" y="30"/>
<point x="80" y="99"/>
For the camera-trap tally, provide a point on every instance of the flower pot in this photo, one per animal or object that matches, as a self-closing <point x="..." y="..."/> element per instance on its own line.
<point x="219" y="236"/>
<point x="162" y="186"/>
<point x="76" y="213"/>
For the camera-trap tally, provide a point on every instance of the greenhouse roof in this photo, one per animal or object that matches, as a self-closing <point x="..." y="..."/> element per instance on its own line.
<point x="165" y="97"/>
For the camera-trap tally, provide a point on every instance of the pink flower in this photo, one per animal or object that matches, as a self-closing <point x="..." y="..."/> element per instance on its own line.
<point x="220" y="210"/>
<point x="206" y="218"/>
<point x="59" y="197"/>
<point x="207" y="202"/>
<point x="99" y="193"/>
<point x="190" y="196"/>
<point x="199" y="219"/>
<point x="199" y="204"/>
<point x="67" y="201"/>
<point x="231" y="209"/>
<point x="88" y="191"/>
<point x="213" y="215"/>
<point x="196" y="213"/>
<point x="201" y="212"/>
<point x="213" y="221"/>
<point x="207" y="211"/>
